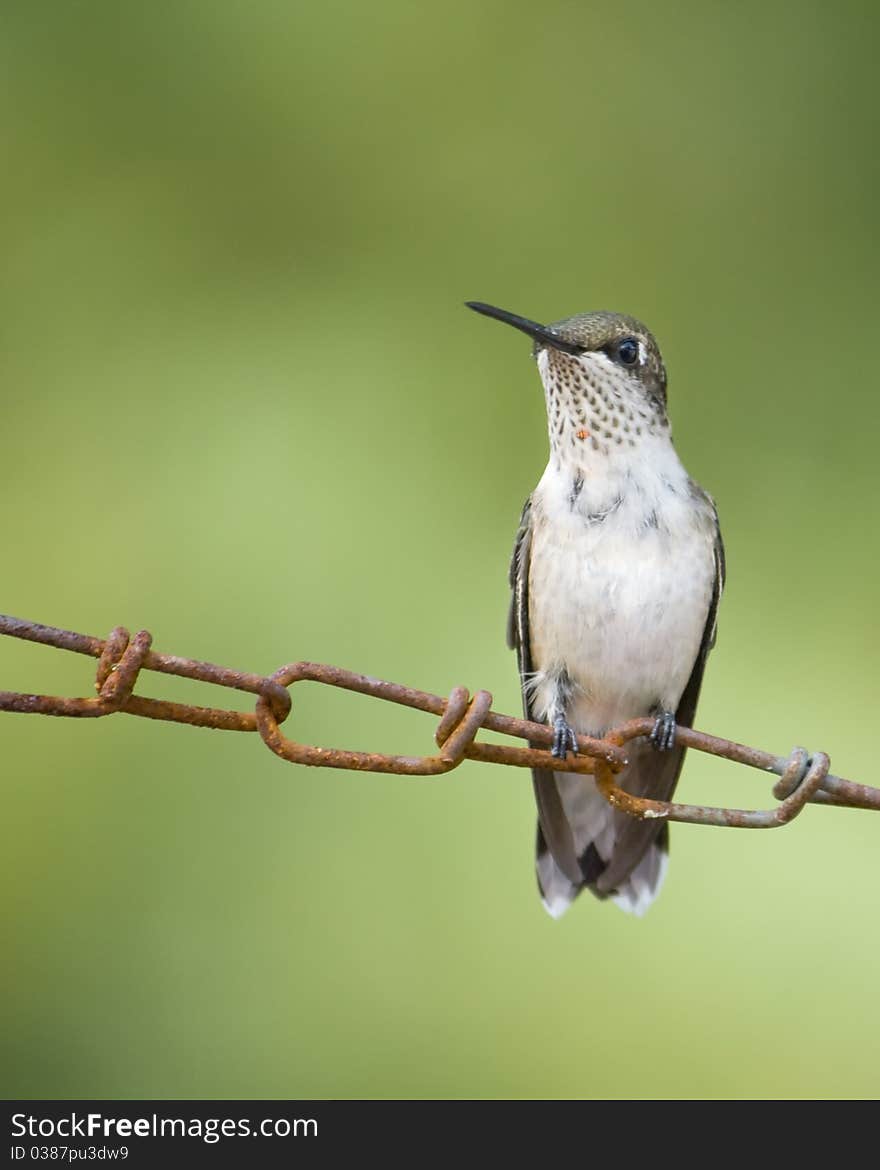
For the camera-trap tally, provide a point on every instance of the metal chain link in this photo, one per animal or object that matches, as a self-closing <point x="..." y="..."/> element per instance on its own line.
<point x="803" y="777"/>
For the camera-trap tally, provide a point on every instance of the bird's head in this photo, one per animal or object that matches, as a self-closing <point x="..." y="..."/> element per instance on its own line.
<point x="604" y="379"/>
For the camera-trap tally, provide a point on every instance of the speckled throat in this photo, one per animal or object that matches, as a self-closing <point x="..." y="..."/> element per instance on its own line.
<point x="594" y="409"/>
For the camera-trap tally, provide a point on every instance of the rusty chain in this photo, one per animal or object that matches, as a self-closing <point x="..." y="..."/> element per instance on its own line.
<point x="803" y="778"/>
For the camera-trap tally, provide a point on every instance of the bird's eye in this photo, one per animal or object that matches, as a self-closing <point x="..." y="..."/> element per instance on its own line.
<point x="628" y="351"/>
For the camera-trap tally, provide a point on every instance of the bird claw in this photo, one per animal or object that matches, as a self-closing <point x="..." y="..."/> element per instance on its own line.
<point x="564" y="738"/>
<point x="663" y="736"/>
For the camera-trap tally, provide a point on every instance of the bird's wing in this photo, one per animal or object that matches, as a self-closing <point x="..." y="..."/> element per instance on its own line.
<point x="687" y="705"/>
<point x="553" y="822"/>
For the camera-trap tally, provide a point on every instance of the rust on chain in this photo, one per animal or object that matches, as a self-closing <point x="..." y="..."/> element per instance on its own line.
<point x="803" y="778"/>
<point x="801" y="775"/>
<point x="120" y="659"/>
<point x="460" y="719"/>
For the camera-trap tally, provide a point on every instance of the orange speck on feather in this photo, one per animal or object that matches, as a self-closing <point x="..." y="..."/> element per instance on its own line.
<point x="583" y="434"/>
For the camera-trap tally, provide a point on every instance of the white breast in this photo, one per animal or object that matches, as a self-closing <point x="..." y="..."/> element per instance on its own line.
<point x="620" y="584"/>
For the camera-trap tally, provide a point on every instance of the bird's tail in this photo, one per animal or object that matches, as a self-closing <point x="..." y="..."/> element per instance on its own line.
<point x="584" y="843"/>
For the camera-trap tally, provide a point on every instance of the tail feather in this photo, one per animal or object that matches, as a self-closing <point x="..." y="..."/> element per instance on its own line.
<point x="557" y="892"/>
<point x="619" y="857"/>
<point x="638" y="891"/>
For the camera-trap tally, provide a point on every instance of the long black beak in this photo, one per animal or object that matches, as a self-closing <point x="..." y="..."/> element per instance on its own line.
<point x="540" y="333"/>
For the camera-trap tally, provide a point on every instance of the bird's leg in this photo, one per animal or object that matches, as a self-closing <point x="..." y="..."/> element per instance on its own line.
<point x="663" y="736"/>
<point x="564" y="738"/>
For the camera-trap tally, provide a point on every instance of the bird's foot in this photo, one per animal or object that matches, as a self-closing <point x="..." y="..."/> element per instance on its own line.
<point x="564" y="738"/>
<point x="663" y="736"/>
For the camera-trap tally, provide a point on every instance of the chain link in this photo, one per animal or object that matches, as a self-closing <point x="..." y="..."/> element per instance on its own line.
<point x="804" y="778"/>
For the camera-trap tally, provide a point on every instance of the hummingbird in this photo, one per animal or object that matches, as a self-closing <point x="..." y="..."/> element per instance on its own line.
<point x="616" y="575"/>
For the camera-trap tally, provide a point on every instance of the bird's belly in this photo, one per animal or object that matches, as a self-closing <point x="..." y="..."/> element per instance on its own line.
<point x="619" y="616"/>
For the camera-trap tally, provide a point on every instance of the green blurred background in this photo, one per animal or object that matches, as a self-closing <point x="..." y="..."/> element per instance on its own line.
<point x="244" y="407"/>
